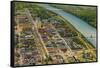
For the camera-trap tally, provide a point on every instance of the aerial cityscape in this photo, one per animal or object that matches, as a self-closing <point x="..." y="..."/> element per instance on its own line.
<point x="54" y="34"/>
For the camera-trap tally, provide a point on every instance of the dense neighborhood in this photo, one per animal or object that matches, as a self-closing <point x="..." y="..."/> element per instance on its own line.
<point x="43" y="37"/>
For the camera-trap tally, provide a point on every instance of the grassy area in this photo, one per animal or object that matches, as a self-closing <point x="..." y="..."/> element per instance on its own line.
<point x="39" y="11"/>
<point x="86" y="13"/>
<point x="35" y="9"/>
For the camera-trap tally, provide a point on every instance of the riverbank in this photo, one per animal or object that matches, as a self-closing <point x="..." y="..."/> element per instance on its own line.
<point x="80" y="38"/>
<point x="86" y="13"/>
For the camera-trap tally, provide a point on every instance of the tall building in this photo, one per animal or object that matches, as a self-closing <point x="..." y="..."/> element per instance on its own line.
<point x="38" y="23"/>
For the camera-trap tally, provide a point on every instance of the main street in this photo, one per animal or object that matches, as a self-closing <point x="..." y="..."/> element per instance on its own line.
<point x="36" y="33"/>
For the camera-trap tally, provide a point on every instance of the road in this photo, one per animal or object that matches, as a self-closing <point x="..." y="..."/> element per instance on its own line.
<point x="36" y="30"/>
